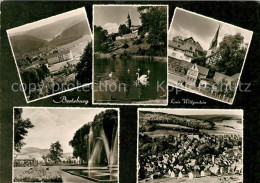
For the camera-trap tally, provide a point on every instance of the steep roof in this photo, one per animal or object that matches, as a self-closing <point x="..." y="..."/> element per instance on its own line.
<point x="181" y="41"/>
<point x="203" y="70"/>
<point x="219" y="76"/>
<point x="188" y="65"/>
<point x="57" y="54"/>
<point x="23" y="157"/>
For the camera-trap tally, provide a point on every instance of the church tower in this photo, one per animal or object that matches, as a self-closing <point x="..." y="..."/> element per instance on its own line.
<point x="214" y="41"/>
<point x="128" y="22"/>
<point x="211" y="53"/>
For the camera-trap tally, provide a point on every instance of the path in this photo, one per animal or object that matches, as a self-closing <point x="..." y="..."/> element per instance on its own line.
<point x="68" y="178"/>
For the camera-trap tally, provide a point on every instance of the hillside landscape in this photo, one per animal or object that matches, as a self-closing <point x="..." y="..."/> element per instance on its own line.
<point x="156" y="122"/>
<point x="51" y="35"/>
<point x="35" y="152"/>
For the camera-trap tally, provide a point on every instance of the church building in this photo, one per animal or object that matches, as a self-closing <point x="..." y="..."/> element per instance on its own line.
<point x="213" y="52"/>
<point x="133" y="28"/>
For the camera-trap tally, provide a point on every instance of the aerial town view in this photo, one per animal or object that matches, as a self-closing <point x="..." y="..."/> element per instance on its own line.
<point x="51" y="54"/>
<point x="130" y="54"/>
<point x="193" y="146"/>
<point x="206" y="56"/>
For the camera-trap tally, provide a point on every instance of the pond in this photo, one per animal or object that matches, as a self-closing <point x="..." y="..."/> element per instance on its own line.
<point x="130" y="80"/>
<point x="97" y="175"/>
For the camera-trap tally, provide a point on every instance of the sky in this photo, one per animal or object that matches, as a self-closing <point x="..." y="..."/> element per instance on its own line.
<point x="110" y="17"/>
<point x="202" y="29"/>
<point x="33" y="25"/>
<point x="197" y="111"/>
<point x="51" y="125"/>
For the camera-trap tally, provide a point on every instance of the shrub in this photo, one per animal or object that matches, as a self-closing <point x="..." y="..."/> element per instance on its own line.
<point x="125" y="46"/>
<point x="138" y="41"/>
<point x="38" y="174"/>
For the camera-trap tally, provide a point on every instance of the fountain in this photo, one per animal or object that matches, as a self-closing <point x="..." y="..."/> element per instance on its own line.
<point x="95" y="171"/>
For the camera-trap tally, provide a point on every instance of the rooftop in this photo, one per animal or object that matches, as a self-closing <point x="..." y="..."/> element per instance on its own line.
<point x="57" y="54"/>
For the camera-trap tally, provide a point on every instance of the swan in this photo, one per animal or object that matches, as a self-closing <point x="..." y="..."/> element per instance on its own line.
<point x="110" y="75"/>
<point x="143" y="79"/>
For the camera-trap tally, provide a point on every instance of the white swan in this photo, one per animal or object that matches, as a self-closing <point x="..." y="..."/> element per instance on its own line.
<point x="148" y="72"/>
<point x="110" y="75"/>
<point x="143" y="79"/>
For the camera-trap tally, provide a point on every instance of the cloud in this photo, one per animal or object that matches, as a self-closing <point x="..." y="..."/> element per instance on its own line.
<point x="203" y="29"/>
<point x="111" y="27"/>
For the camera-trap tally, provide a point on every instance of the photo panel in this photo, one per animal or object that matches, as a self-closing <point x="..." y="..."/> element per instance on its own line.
<point x="206" y="56"/>
<point x="66" y="144"/>
<point x="130" y="54"/>
<point x="190" y="145"/>
<point x="53" y="55"/>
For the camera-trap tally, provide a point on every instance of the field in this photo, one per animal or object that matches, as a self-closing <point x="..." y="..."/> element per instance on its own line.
<point x="159" y="124"/>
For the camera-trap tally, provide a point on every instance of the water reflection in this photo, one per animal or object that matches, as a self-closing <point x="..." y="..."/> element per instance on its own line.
<point x="129" y="80"/>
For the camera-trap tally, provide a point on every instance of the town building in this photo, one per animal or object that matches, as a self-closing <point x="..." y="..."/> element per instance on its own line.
<point x="184" y="49"/>
<point x="59" y="57"/>
<point x="189" y="72"/>
<point x="24" y="161"/>
<point x="192" y="75"/>
<point x="131" y="35"/>
<point x="229" y="80"/>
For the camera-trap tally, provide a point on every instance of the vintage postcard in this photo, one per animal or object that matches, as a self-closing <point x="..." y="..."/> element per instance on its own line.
<point x="65" y="144"/>
<point x="130" y="54"/>
<point x="206" y="56"/>
<point x="53" y="55"/>
<point x="190" y="145"/>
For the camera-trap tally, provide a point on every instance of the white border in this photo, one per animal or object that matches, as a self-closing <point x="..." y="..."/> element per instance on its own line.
<point x="71" y="108"/>
<point x="187" y="109"/>
<point x="93" y="81"/>
<point x="198" y="93"/>
<point x="21" y="82"/>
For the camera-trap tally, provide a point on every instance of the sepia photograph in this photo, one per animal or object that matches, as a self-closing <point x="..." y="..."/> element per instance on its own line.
<point x="206" y="56"/>
<point x="190" y="145"/>
<point x="65" y="144"/>
<point x="53" y="55"/>
<point x="130" y="54"/>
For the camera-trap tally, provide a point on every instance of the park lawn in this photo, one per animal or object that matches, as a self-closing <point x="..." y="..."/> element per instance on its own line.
<point x="37" y="174"/>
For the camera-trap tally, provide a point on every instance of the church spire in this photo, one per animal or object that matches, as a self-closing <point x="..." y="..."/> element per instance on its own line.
<point x="214" y="41"/>
<point x="128" y="21"/>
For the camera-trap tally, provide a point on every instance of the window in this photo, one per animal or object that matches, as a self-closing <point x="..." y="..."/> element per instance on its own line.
<point x="191" y="48"/>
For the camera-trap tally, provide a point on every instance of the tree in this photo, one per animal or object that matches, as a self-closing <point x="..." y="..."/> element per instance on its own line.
<point x="100" y="38"/>
<point x="84" y="67"/>
<point x="122" y="29"/>
<point x="20" y="128"/>
<point x="56" y="152"/>
<point x="106" y="120"/>
<point x="79" y="142"/>
<point x="201" y="61"/>
<point x="154" y="21"/>
<point x="232" y="51"/>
